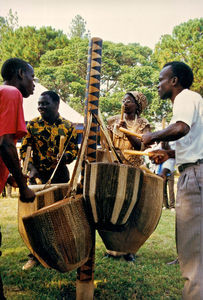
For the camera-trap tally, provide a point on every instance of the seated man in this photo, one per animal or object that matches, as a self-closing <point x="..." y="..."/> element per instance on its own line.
<point x="43" y="136"/>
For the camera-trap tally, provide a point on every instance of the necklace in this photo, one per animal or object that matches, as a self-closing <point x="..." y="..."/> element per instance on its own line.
<point x="131" y="123"/>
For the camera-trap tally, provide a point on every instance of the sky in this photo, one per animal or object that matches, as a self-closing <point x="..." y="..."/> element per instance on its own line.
<point x="125" y="21"/>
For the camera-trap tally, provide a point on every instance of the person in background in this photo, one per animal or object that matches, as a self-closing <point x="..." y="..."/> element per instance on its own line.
<point x="134" y="103"/>
<point x="167" y="170"/>
<point x="186" y="128"/>
<point x="43" y="137"/>
<point x="18" y="78"/>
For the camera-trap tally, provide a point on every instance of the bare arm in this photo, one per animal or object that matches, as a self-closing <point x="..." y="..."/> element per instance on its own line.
<point x="9" y="155"/>
<point x="171" y="133"/>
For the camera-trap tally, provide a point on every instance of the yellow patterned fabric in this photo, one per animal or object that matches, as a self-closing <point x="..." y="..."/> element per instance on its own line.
<point x="121" y="142"/>
<point x="44" y="139"/>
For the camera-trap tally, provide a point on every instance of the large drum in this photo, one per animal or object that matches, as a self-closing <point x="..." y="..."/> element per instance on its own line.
<point x="60" y="234"/>
<point x="46" y="197"/>
<point x="111" y="191"/>
<point x="143" y="219"/>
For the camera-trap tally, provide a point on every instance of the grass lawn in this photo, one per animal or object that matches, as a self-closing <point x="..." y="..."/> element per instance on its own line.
<point x="149" y="277"/>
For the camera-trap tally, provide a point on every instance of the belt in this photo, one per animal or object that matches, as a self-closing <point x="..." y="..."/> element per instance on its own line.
<point x="182" y="167"/>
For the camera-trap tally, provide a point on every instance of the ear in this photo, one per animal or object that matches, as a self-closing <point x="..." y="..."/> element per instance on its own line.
<point x="174" y="80"/>
<point x="20" y="74"/>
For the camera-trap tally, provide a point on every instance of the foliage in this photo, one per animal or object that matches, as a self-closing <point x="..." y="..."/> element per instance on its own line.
<point x="61" y="63"/>
<point x="30" y="43"/>
<point x="185" y="44"/>
<point x="78" y="28"/>
<point x="147" y="278"/>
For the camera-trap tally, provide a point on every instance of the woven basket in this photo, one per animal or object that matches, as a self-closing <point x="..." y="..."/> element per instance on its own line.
<point x="60" y="234"/>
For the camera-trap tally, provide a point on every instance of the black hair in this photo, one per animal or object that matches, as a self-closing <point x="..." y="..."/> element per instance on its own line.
<point x="183" y="72"/>
<point x="54" y="96"/>
<point x="11" y="67"/>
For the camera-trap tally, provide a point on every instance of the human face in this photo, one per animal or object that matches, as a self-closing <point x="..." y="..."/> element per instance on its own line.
<point x="27" y="82"/>
<point x="47" y="108"/>
<point x="165" y="83"/>
<point x="130" y="106"/>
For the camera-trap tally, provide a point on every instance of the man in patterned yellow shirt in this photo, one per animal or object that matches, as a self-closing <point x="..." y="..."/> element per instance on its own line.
<point x="43" y="136"/>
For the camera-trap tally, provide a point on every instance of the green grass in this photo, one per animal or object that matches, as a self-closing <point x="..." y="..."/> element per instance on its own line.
<point x="147" y="278"/>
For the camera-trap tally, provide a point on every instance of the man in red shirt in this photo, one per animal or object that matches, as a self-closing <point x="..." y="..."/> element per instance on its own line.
<point x="18" y="78"/>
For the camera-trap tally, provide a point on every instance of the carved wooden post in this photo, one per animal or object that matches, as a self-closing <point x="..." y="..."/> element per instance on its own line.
<point x="85" y="274"/>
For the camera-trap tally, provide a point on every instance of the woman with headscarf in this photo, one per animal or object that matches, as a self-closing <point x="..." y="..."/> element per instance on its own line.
<point x="134" y="103"/>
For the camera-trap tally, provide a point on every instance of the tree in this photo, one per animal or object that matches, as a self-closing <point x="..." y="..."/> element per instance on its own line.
<point x="185" y="44"/>
<point x="78" y="28"/>
<point x="30" y="43"/>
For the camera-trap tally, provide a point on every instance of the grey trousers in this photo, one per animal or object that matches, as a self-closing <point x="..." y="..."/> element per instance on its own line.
<point x="189" y="230"/>
<point x="170" y="183"/>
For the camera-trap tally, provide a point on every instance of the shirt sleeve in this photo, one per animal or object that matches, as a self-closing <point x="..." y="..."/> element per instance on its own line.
<point x="12" y="116"/>
<point x="183" y="109"/>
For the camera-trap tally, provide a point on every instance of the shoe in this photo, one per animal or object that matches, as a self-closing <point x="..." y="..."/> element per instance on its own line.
<point x="129" y="257"/>
<point x="174" y="262"/>
<point x="108" y="255"/>
<point x="172" y="209"/>
<point x="30" y="264"/>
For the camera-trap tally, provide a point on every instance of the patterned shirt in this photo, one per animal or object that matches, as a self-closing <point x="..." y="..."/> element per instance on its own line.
<point x="44" y="139"/>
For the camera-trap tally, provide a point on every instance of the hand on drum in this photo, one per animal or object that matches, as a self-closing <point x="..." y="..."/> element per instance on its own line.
<point x="27" y="195"/>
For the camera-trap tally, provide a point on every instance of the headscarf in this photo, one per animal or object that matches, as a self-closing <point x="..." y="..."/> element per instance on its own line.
<point x="140" y="99"/>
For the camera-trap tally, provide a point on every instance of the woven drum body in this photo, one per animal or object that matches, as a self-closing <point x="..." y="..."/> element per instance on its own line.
<point x="143" y="220"/>
<point x="49" y="196"/>
<point x="111" y="192"/>
<point x="60" y="234"/>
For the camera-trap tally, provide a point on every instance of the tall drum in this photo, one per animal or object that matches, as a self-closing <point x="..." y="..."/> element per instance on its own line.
<point x="143" y="219"/>
<point x="111" y="191"/>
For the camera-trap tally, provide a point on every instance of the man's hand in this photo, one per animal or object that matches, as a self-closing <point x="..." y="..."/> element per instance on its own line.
<point x="158" y="156"/>
<point x="27" y="195"/>
<point x="147" y="139"/>
<point x="122" y="124"/>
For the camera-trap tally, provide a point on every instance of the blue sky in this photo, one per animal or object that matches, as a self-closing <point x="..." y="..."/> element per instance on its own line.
<point x="126" y="21"/>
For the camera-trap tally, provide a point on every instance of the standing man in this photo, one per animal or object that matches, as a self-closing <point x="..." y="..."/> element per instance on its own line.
<point x="186" y="127"/>
<point x="18" y="78"/>
<point x="43" y="136"/>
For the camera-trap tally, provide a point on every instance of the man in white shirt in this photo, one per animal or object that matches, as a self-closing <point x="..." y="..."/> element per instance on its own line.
<point x="186" y="128"/>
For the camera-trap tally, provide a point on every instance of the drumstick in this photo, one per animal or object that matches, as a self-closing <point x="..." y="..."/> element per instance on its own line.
<point x="130" y="132"/>
<point x="122" y="112"/>
<point x="61" y="145"/>
<point x="26" y="161"/>
<point x="135" y="152"/>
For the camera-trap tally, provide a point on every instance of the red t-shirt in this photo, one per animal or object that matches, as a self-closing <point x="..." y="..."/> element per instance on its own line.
<point x="11" y="121"/>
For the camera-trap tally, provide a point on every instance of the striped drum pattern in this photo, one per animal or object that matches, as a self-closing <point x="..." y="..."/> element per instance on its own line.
<point x="111" y="192"/>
